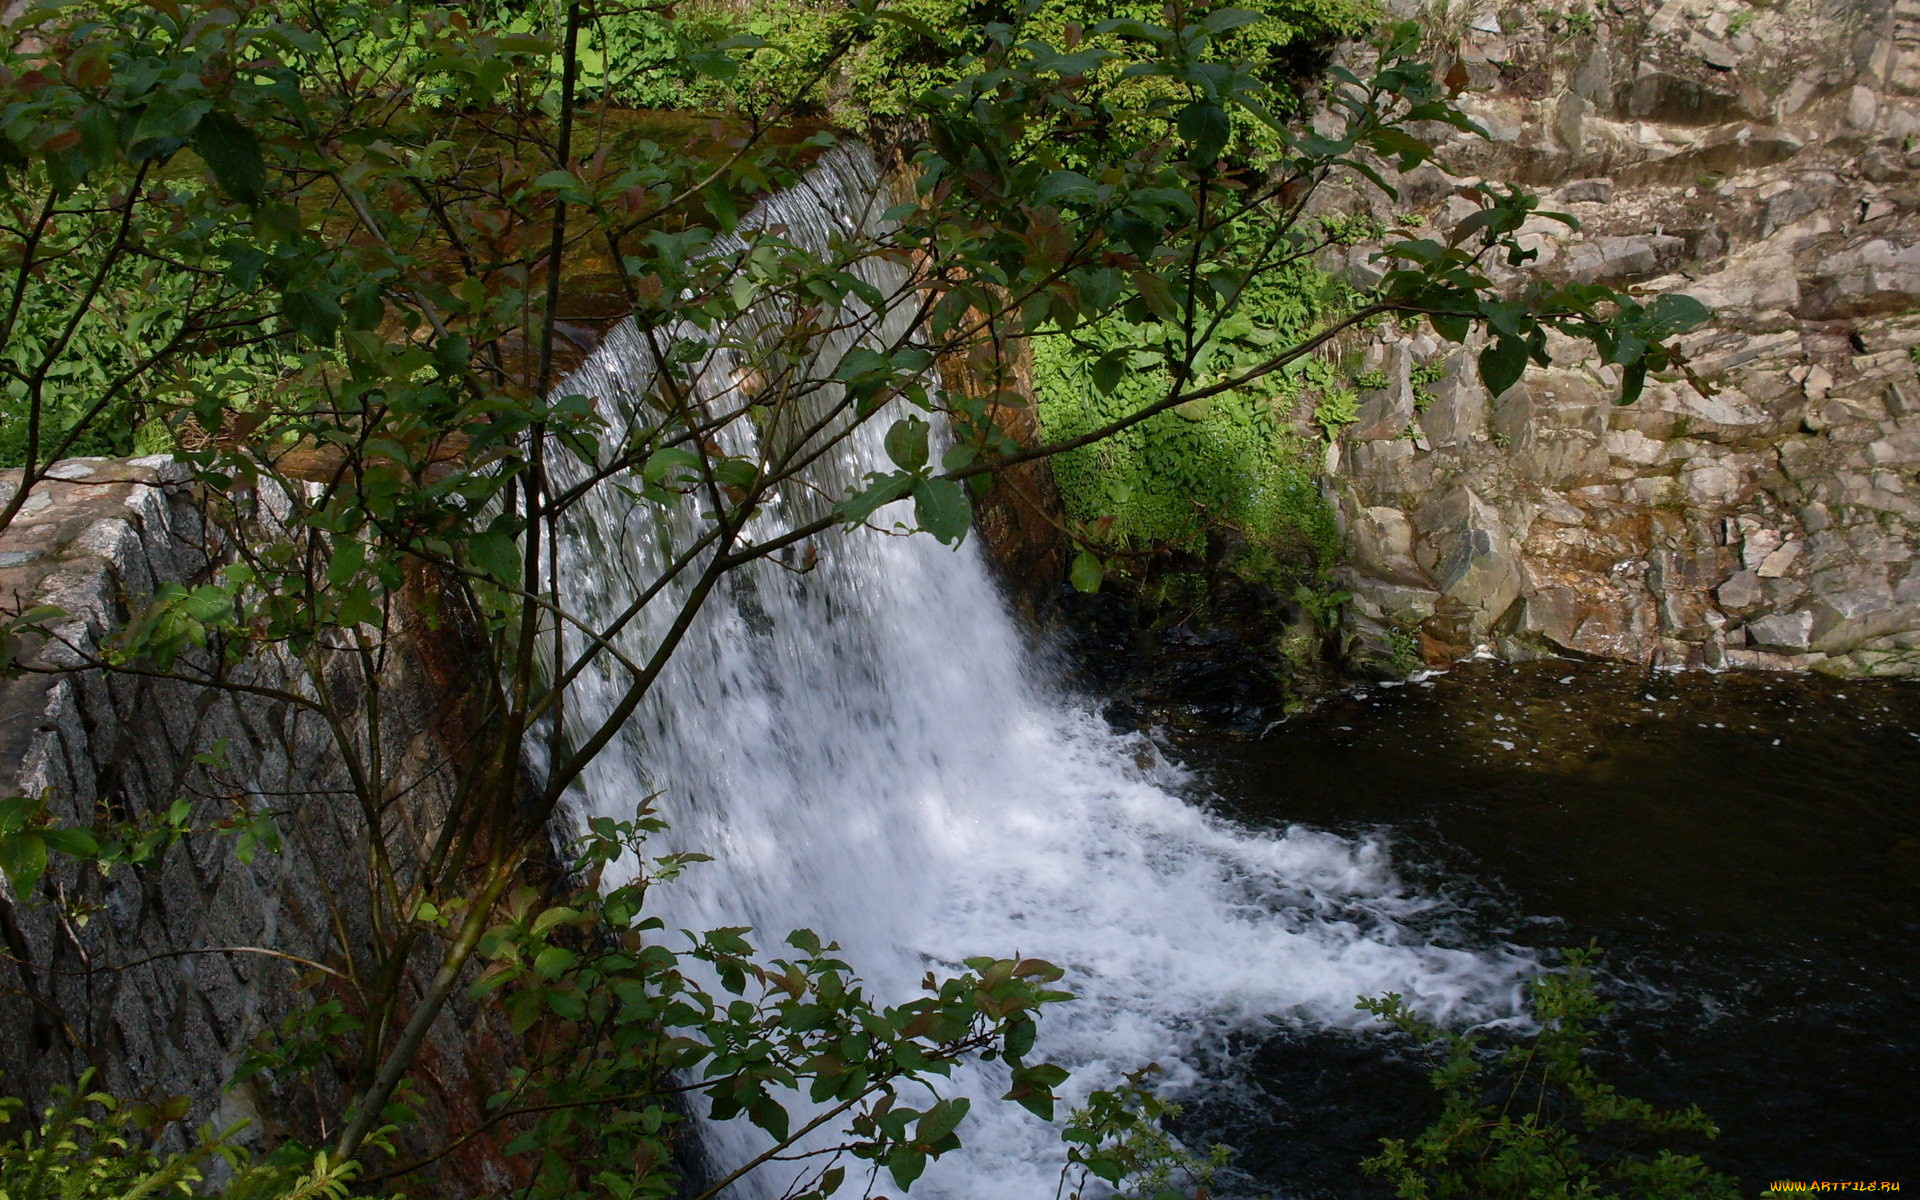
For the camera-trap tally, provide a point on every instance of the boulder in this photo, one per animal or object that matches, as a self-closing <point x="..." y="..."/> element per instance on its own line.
<point x="1380" y="543"/>
<point x="1475" y="557"/>
<point x="1598" y="190"/>
<point x="1840" y="621"/>
<point x="1791" y="633"/>
<point x="1740" y="594"/>
<point x="1881" y="275"/>
<point x="1457" y="413"/>
<point x="1673" y="99"/>
<point x="1617" y="259"/>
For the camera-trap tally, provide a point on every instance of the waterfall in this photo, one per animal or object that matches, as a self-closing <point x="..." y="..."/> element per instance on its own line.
<point x="868" y="749"/>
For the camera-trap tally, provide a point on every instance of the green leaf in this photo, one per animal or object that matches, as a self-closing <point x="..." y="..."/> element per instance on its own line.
<point x="911" y="22"/>
<point x="311" y="315"/>
<point x="554" y="961"/>
<point x="1504" y="316"/>
<point x="1627" y="348"/>
<point x="74" y="843"/>
<point x="1409" y="150"/>
<point x="1633" y="380"/>
<point x="942" y="509"/>
<point x="1108" y="370"/>
<point x="714" y="64"/>
<point x="1502" y="363"/>
<point x="1158" y="296"/>
<point x="1450" y="326"/>
<point x="23" y="856"/>
<point x="232" y="153"/>
<point x="1221" y="20"/>
<point x="906" y="1165"/>
<point x="1205" y="126"/>
<point x="881" y="490"/>
<point x="940" y="1120"/>
<point x="207" y="604"/>
<point x="14" y="811"/>
<point x="1020" y="1035"/>
<point x="1087" y="572"/>
<point x="907" y="443"/>
<point x="736" y="472"/>
<point x="496" y="554"/>
<point x="664" y="461"/>
<point x="553" y="916"/>
<point x="349" y="555"/>
<point x="1671" y="314"/>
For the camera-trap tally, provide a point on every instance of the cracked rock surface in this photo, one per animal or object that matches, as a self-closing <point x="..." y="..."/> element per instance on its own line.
<point x="1764" y="159"/>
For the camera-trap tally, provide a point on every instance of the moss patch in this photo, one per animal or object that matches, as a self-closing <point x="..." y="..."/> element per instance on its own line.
<point x="1228" y="481"/>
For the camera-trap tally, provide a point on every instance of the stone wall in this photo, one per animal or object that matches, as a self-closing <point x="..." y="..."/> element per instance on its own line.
<point x="152" y="975"/>
<point x="1762" y="159"/>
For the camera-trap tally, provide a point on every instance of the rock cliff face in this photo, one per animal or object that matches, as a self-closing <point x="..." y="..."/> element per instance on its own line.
<point x="1762" y="159"/>
<point x="162" y="976"/>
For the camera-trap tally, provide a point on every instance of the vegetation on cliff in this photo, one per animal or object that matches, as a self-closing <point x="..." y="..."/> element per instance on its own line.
<point x="324" y="253"/>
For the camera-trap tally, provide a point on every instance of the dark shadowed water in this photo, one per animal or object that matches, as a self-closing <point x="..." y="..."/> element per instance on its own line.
<point x="1746" y="847"/>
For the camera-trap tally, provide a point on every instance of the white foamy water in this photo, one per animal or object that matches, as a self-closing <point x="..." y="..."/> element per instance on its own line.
<point x="868" y="750"/>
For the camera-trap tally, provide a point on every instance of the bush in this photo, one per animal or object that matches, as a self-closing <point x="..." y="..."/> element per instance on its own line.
<point x="641" y="57"/>
<point x="1546" y="1127"/>
<point x="92" y="1146"/>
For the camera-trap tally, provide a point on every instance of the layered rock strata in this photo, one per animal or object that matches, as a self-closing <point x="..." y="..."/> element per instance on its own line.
<point x="1763" y="159"/>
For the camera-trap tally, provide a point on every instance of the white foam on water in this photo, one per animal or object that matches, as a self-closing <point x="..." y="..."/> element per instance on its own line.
<point x="868" y="750"/>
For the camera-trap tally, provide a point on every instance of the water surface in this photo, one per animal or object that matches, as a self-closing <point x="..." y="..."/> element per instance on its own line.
<point x="1747" y="848"/>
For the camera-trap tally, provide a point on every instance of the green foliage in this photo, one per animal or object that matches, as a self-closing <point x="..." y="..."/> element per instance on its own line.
<point x="619" y="1027"/>
<point x="1231" y="459"/>
<point x="1404" y="656"/>
<point x="1446" y="282"/>
<point x="1577" y="21"/>
<point x="931" y="44"/>
<point x="1546" y="1126"/>
<point x="1349" y="229"/>
<point x="91" y="1146"/>
<point x="1334" y="404"/>
<point x="624" y="1016"/>
<point x="1423" y="376"/>
<point x="1335" y="409"/>
<point x="30" y="837"/>
<point x="104" y="337"/>
<point x="1322" y="605"/>
<point x="1118" y="1138"/>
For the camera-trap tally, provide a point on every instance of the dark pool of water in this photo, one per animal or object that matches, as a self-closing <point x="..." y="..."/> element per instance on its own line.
<point x="1746" y="848"/>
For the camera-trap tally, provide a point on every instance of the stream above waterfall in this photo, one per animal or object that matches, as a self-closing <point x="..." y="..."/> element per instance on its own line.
<point x="1745" y="847"/>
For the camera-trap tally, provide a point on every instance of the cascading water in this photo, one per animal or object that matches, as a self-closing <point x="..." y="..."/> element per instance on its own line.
<point x="867" y="750"/>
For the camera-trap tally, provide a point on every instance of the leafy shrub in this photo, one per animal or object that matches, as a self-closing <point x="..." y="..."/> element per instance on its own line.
<point x="1548" y="1127"/>
<point x="638" y="56"/>
<point x="1118" y="1138"/>
<point x="101" y="337"/>
<point x="91" y="1146"/>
